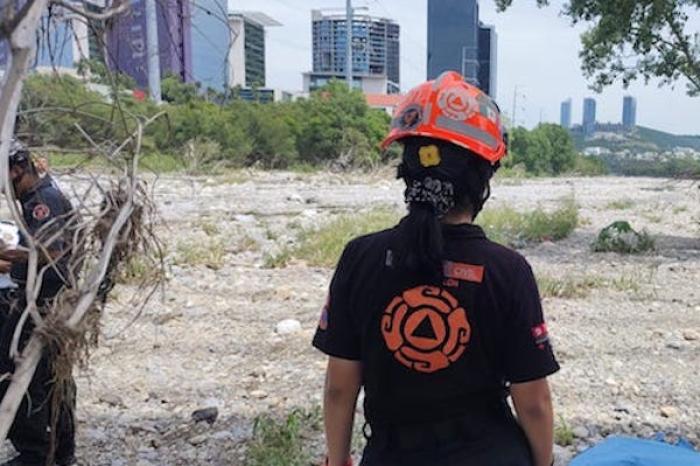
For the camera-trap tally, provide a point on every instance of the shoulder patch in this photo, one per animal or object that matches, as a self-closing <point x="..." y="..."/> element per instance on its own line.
<point x="41" y="211"/>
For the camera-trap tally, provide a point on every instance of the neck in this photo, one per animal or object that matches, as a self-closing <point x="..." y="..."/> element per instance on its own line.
<point x="457" y="218"/>
<point x="27" y="183"/>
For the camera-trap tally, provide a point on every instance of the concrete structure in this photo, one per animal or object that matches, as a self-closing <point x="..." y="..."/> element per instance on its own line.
<point x="565" y="114"/>
<point x="386" y="102"/>
<point x="488" y="60"/>
<point x="376" y="57"/>
<point x="629" y="112"/>
<point x="246" y="60"/>
<point x="458" y="41"/>
<point x="589" y="116"/>
<point x="126" y="41"/>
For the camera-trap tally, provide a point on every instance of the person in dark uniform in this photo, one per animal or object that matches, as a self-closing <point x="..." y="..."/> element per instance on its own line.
<point x="47" y="215"/>
<point x="439" y="324"/>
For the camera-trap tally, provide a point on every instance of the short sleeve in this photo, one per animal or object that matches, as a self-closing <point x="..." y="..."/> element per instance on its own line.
<point x="528" y="351"/>
<point x="337" y="333"/>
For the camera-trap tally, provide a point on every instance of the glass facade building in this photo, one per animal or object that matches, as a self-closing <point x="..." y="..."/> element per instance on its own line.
<point x="375" y="45"/>
<point x="458" y="41"/>
<point x="629" y="112"/>
<point x="589" y="116"/>
<point x="565" y="114"/>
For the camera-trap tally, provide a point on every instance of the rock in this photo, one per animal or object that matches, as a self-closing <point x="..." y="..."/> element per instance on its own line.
<point x="580" y="432"/>
<point x="294" y="197"/>
<point x="197" y="439"/>
<point x="222" y="435"/>
<point x="207" y="415"/>
<point x="112" y="400"/>
<point x="676" y="345"/>
<point x="691" y="335"/>
<point x="669" y="411"/>
<point x="288" y="326"/>
<point x="259" y="394"/>
<point x="562" y="456"/>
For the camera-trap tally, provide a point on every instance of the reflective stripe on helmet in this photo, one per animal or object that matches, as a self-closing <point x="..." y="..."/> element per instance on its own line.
<point x="437" y="84"/>
<point x="467" y="130"/>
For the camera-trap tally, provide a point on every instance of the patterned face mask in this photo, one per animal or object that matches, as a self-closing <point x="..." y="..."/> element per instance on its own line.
<point x="440" y="194"/>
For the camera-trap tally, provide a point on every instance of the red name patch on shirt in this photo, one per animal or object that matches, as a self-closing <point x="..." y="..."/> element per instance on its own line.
<point x="540" y="334"/>
<point x="463" y="272"/>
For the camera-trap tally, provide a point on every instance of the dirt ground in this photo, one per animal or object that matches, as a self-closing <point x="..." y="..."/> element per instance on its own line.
<point x="630" y="351"/>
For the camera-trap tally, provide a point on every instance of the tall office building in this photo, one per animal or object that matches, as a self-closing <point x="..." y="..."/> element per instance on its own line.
<point x="376" y="52"/>
<point x="64" y="38"/>
<point x="458" y="41"/>
<point x="589" y="116"/>
<point x="228" y="47"/>
<point x="629" y="112"/>
<point x="127" y="41"/>
<point x="488" y="59"/>
<point x="247" y="55"/>
<point x="453" y="38"/>
<point x="565" y="114"/>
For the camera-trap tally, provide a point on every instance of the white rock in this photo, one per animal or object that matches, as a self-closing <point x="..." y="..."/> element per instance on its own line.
<point x="669" y="411"/>
<point x="288" y="326"/>
<point x="197" y="439"/>
<point x="580" y="432"/>
<point x="691" y="335"/>
<point x="562" y="456"/>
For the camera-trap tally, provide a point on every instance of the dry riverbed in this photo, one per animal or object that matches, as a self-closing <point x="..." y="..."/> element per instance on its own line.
<point x="629" y="346"/>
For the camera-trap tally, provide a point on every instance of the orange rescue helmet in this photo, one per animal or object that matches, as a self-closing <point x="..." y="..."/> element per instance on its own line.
<point x="452" y="110"/>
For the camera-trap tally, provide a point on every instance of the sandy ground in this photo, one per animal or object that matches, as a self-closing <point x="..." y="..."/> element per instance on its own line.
<point x="629" y="352"/>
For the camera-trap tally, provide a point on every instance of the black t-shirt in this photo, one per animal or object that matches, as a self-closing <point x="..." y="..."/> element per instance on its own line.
<point x="46" y="212"/>
<point x="432" y="351"/>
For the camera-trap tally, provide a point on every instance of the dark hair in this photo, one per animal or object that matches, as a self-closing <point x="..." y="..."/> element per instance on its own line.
<point x="440" y="178"/>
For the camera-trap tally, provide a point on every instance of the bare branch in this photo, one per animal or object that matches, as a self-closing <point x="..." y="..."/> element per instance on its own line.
<point x="107" y="14"/>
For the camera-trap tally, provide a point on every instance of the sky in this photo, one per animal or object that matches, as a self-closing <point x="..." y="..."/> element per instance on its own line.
<point x="537" y="54"/>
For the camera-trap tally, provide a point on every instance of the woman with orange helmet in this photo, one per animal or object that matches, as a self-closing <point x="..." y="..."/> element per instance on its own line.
<point x="437" y="323"/>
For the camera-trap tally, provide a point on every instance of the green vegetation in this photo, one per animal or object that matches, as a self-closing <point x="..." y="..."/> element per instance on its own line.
<point x="620" y="204"/>
<point x="627" y="40"/>
<point x="567" y="287"/>
<point x="546" y="150"/>
<point x="507" y="225"/>
<point x="211" y="253"/>
<point x="201" y="132"/>
<point x="621" y="238"/>
<point x="322" y="247"/>
<point x="282" y="442"/>
<point x="674" y="167"/>
<point x="589" y="166"/>
<point x="563" y="434"/>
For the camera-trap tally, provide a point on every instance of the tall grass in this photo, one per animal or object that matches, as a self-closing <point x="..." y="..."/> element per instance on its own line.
<point x="280" y="442"/>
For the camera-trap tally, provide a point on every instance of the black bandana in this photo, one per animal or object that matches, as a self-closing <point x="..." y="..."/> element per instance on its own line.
<point x="438" y="193"/>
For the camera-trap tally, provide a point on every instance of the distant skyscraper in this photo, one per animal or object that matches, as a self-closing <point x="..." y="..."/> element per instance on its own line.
<point x="247" y="56"/>
<point x="565" y="114"/>
<point x="458" y="41"/>
<point x="453" y="38"/>
<point x="629" y="112"/>
<point x="376" y="57"/>
<point x="589" y="116"/>
<point x="126" y="41"/>
<point x="488" y="59"/>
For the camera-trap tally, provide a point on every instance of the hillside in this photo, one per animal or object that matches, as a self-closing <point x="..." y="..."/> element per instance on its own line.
<point x="642" y="139"/>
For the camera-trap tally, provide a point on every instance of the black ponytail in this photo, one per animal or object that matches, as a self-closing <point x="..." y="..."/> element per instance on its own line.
<point x="455" y="178"/>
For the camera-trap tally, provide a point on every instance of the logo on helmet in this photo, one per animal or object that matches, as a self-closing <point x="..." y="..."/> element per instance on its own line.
<point x="410" y="118"/>
<point x="457" y="103"/>
<point x="426" y="329"/>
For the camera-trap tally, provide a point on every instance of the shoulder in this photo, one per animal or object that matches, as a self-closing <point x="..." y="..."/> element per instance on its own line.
<point x="508" y="261"/>
<point x="367" y="248"/>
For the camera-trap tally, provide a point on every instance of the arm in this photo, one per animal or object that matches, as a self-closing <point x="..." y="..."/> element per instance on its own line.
<point x="343" y="381"/>
<point x="533" y="404"/>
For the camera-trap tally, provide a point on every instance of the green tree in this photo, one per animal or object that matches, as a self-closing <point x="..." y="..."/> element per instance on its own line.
<point x="173" y="90"/>
<point x="629" y="39"/>
<point x="546" y="150"/>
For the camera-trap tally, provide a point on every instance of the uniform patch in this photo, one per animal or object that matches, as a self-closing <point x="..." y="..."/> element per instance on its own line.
<point x="463" y="272"/>
<point x="41" y="212"/>
<point x="457" y="103"/>
<point x="426" y="329"/>
<point x="540" y="334"/>
<point x="410" y="118"/>
<point x="429" y="156"/>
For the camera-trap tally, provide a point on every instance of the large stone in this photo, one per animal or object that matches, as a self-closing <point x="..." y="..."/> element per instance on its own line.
<point x="207" y="415"/>
<point x="288" y="326"/>
<point x="669" y="411"/>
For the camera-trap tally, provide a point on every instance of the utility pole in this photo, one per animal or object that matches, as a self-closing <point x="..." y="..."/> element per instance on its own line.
<point x="348" y="52"/>
<point x="515" y="107"/>
<point x="153" y="51"/>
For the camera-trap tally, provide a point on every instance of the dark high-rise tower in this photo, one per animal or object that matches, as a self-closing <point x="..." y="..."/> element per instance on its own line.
<point x="565" y="114"/>
<point x="453" y="38"/>
<point x="629" y="112"/>
<point x="589" y="116"/>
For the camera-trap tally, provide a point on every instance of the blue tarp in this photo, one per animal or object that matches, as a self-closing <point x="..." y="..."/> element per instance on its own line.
<point x="626" y="451"/>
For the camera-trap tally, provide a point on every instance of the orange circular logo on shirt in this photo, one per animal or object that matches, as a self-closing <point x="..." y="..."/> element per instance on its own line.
<point x="426" y="329"/>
